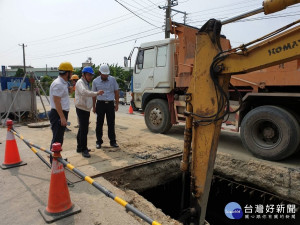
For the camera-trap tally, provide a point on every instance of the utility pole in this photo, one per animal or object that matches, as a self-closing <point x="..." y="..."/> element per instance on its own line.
<point x="170" y="3"/>
<point x="168" y="16"/>
<point x="31" y="83"/>
<point x="23" y="45"/>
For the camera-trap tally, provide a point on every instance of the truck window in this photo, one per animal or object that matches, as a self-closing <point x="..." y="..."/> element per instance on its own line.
<point x="148" y="58"/>
<point x="145" y="59"/>
<point x="139" y="61"/>
<point x="161" y="56"/>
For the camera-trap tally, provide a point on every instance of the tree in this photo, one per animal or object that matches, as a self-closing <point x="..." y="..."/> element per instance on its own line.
<point x="123" y="77"/>
<point x="47" y="79"/>
<point x="46" y="82"/>
<point x="78" y="72"/>
<point x="19" y="73"/>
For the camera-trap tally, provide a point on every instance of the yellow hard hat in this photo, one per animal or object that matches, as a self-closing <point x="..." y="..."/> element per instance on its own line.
<point x="74" y="77"/>
<point x="65" y="66"/>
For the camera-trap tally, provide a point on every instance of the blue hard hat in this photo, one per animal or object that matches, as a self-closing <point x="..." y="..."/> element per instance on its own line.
<point x="88" y="69"/>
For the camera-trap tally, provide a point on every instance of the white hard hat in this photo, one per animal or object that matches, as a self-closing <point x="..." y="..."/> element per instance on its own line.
<point x="104" y="69"/>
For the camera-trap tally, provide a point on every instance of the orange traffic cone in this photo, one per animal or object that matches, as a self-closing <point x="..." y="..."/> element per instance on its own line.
<point x="12" y="157"/>
<point x="130" y="110"/>
<point x="59" y="202"/>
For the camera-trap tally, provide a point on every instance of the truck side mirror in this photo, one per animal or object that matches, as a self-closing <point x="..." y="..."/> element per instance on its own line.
<point x="125" y="61"/>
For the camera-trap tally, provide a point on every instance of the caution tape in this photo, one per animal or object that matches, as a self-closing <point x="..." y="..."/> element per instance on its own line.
<point x="87" y="179"/>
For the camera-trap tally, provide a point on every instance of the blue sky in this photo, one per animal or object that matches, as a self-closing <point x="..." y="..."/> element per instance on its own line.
<point x="73" y="30"/>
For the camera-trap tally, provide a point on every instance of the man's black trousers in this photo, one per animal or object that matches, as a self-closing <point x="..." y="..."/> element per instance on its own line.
<point x="84" y="118"/>
<point x="58" y="131"/>
<point x="105" y="108"/>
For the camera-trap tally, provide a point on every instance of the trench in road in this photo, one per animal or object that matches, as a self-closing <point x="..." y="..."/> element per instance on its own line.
<point x="165" y="187"/>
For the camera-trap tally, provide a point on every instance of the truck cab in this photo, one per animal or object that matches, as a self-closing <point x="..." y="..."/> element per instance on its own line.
<point x="153" y="71"/>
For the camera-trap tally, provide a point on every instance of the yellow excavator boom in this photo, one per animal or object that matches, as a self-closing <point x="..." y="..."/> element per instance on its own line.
<point x="206" y="96"/>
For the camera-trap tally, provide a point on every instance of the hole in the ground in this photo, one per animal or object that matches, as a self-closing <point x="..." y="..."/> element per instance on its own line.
<point x="168" y="198"/>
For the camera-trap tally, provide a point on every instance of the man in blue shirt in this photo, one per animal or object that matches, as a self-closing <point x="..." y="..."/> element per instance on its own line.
<point x="105" y="105"/>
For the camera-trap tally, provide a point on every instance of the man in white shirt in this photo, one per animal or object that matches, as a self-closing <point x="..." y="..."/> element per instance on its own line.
<point x="59" y="102"/>
<point x="105" y="105"/>
<point x="84" y="104"/>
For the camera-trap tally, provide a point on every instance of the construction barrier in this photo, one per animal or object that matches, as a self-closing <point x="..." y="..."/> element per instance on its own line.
<point x="12" y="158"/>
<point x="32" y="147"/>
<point x="93" y="183"/>
<point x="59" y="201"/>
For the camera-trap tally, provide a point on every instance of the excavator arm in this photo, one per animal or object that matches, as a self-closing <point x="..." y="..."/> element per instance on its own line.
<point x="279" y="49"/>
<point x="207" y="101"/>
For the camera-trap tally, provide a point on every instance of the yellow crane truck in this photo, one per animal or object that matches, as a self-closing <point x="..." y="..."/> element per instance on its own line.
<point x="264" y="103"/>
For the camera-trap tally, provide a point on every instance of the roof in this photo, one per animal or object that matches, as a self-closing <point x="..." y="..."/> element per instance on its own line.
<point x="19" y="66"/>
<point x="160" y="42"/>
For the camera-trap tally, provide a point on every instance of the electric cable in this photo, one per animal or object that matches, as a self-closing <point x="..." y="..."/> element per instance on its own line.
<point x="90" y="46"/>
<point x="256" y="18"/>
<point x="144" y="10"/>
<point x="134" y="13"/>
<point x="101" y="24"/>
<point x="222" y="7"/>
<point x="98" y="48"/>
<point x="230" y="11"/>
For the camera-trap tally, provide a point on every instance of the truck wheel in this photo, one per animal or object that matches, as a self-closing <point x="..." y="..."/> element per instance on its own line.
<point x="270" y="132"/>
<point x="157" y="116"/>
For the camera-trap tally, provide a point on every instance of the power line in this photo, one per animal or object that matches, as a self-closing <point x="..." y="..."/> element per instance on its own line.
<point x="9" y="51"/>
<point x="135" y="14"/>
<point x="99" y="47"/>
<point x="80" y="42"/>
<point x="257" y="18"/>
<point x="101" y="23"/>
<point x="184" y="1"/>
<point x="223" y="6"/>
<point x="212" y="14"/>
<point x="229" y="11"/>
<point x="82" y="33"/>
<point x="266" y="18"/>
<point x="143" y="12"/>
<point x="142" y="6"/>
<point x="86" y="28"/>
<point x="90" y="46"/>
<point x="153" y="3"/>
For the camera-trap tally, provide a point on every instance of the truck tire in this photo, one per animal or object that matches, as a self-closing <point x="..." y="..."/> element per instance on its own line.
<point x="157" y="116"/>
<point x="270" y="132"/>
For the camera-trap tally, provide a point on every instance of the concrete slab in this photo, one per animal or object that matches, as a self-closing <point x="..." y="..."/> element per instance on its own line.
<point x="39" y="124"/>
